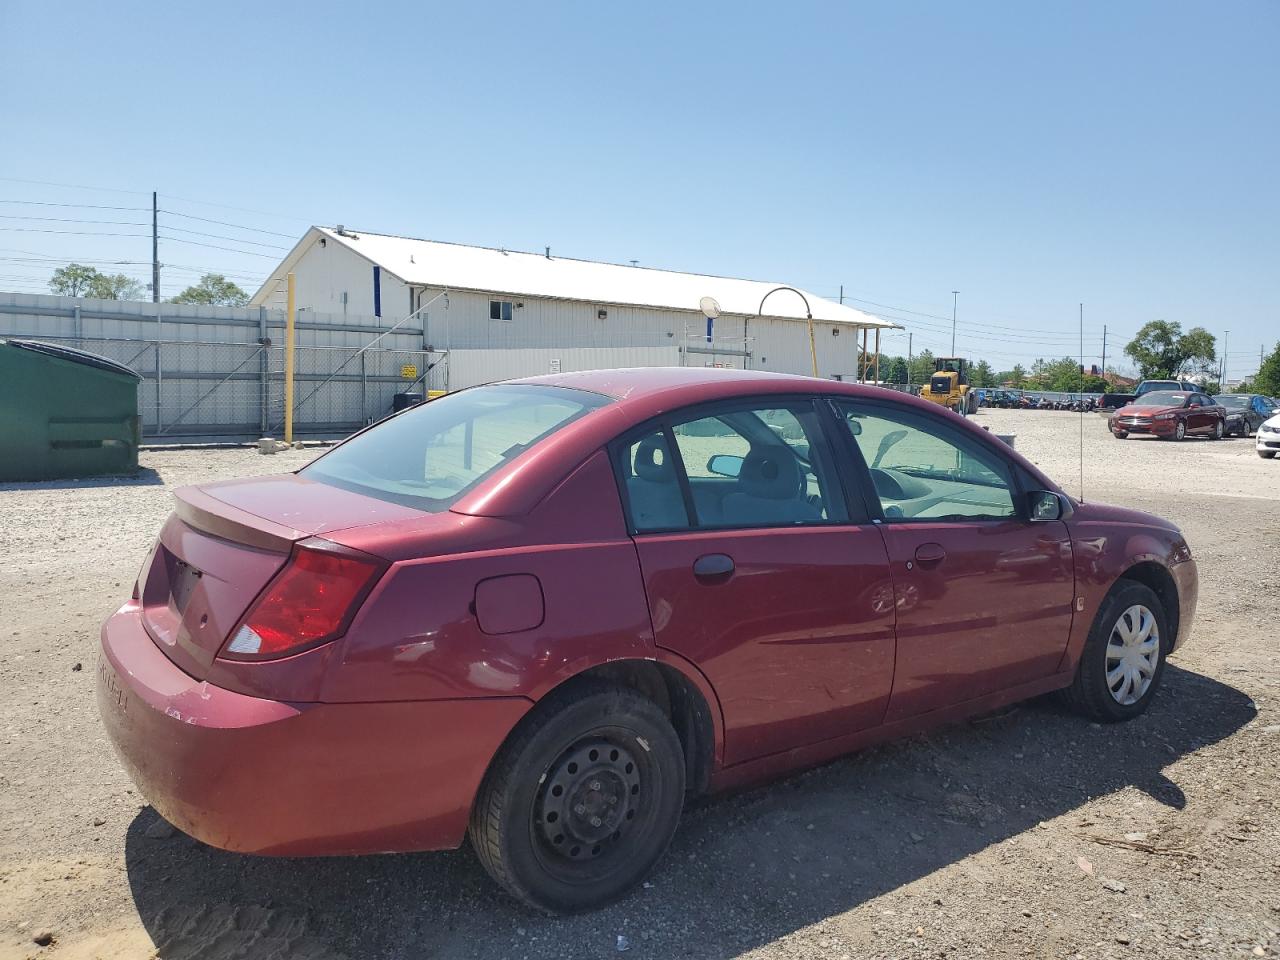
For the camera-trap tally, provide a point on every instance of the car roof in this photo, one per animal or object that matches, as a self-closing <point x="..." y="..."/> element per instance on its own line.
<point x="685" y="385"/>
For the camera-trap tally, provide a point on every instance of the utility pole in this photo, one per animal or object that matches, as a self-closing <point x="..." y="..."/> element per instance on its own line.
<point x="155" y="250"/>
<point x="1222" y="369"/>
<point x="1104" y="351"/>
<point x="842" y="294"/>
<point x="955" y="298"/>
<point x="910" y="336"/>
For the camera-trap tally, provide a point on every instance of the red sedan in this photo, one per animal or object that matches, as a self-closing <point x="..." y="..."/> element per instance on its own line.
<point x="542" y="614"/>
<point x="1171" y="414"/>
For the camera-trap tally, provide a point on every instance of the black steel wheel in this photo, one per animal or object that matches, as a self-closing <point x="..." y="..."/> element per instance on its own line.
<point x="582" y="800"/>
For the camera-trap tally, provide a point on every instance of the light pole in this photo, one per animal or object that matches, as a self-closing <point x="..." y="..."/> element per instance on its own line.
<point x="813" y="346"/>
<point x="955" y="299"/>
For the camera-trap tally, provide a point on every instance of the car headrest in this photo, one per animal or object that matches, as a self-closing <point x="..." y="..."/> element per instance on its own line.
<point x="652" y="460"/>
<point x="771" y="473"/>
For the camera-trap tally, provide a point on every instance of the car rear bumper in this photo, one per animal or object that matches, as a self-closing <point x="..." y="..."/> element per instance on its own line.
<point x="298" y="779"/>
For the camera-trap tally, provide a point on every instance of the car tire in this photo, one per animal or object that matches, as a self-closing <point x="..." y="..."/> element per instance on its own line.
<point x="1180" y="431"/>
<point x="1267" y="454"/>
<point x="611" y="750"/>
<point x="1120" y="434"/>
<point x="1093" y="691"/>
<point x="1218" y="430"/>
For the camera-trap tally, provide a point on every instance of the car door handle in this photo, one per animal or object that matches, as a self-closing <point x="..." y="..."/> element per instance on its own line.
<point x="713" y="567"/>
<point x="930" y="553"/>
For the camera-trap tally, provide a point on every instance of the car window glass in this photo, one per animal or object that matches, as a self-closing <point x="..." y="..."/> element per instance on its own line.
<point x="922" y="471"/>
<point x="758" y="467"/>
<point x="429" y="456"/>
<point x="654" y="499"/>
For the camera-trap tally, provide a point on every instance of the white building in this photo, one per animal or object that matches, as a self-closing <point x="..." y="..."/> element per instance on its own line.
<point x="503" y="313"/>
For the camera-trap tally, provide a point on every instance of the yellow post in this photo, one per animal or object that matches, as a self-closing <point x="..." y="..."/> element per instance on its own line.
<point x="288" y="364"/>
<point x="813" y="346"/>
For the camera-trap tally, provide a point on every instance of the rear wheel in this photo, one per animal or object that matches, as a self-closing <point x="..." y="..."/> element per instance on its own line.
<point x="1123" y="659"/>
<point x="1218" y="430"/>
<point x="582" y="801"/>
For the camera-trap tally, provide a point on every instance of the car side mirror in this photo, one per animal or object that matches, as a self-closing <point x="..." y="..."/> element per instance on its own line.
<point x="855" y="427"/>
<point x="724" y="465"/>
<point x="1044" y="505"/>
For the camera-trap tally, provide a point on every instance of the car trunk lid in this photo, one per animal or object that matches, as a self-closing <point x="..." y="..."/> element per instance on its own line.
<point x="222" y="546"/>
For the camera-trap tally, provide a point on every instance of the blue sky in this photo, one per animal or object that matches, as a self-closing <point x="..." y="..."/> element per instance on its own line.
<point x="1030" y="155"/>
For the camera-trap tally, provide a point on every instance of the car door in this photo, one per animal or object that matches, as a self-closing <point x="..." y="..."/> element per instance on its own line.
<point x="757" y="573"/>
<point x="983" y="594"/>
<point x="1197" y="417"/>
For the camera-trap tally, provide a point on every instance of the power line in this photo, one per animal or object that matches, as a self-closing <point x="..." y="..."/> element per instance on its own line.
<point x="77" y="206"/>
<point x="212" y="246"/>
<point x="74" y="233"/>
<point x="225" y="223"/>
<point x="219" y="236"/>
<point x="227" y="206"/>
<point x="73" y="186"/>
<point x="110" y="223"/>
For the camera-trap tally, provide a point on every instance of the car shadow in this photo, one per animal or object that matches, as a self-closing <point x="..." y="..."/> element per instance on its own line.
<point x="142" y="477"/>
<point x="743" y="870"/>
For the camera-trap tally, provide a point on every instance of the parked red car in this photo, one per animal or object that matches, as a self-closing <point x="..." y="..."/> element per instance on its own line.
<point x="1171" y="414"/>
<point x="543" y="613"/>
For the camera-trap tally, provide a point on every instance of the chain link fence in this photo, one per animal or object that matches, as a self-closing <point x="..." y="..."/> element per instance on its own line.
<point x="193" y="388"/>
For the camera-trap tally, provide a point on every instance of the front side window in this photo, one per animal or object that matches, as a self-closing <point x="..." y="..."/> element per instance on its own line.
<point x="500" y="310"/>
<point x="923" y="471"/>
<point x="429" y="456"/>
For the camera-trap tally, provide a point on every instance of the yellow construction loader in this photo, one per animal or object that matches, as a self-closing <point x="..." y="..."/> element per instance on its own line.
<point x="949" y="386"/>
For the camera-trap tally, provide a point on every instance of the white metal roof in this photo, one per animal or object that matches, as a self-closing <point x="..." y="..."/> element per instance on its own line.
<point x="455" y="266"/>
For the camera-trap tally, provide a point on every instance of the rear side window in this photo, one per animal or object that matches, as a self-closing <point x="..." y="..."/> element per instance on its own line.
<point x="428" y="457"/>
<point x="733" y="466"/>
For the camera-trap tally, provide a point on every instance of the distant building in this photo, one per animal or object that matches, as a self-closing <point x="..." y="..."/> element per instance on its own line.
<point x="506" y="300"/>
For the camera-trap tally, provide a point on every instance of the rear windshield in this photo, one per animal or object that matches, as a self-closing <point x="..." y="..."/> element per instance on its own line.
<point x="428" y="457"/>
<point x="1163" y="398"/>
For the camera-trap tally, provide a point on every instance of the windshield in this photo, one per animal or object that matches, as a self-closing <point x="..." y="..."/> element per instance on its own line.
<point x="431" y="455"/>
<point x="1149" y="385"/>
<point x="1163" y="398"/>
<point x="1231" y="400"/>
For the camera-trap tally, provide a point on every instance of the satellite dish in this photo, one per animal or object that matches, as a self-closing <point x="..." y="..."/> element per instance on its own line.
<point x="710" y="307"/>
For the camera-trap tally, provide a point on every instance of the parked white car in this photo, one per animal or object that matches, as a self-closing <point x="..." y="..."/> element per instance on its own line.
<point x="1269" y="438"/>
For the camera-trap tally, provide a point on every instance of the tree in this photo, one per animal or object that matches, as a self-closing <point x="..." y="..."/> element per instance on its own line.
<point x="73" y="280"/>
<point x="213" y="288"/>
<point x="922" y="367"/>
<point x="1018" y="376"/>
<point x="114" y="286"/>
<point x="982" y="375"/>
<point x="1162" y="351"/>
<point x="1268" y="379"/>
<point x="897" y="370"/>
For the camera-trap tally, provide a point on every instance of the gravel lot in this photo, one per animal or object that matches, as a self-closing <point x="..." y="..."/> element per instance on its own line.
<point x="1031" y="833"/>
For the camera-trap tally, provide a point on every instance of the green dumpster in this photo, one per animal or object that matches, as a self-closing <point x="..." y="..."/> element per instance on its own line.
<point x="65" y="413"/>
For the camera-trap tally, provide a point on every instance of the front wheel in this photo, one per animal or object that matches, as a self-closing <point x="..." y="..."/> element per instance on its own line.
<point x="582" y="801"/>
<point x="1123" y="658"/>
<point x="1180" y="431"/>
<point x="1267" y="454"/>
<point x="1120" y="434"/>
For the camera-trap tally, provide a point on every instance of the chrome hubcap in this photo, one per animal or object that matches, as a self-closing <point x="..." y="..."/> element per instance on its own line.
<point x="1133" y="652"/>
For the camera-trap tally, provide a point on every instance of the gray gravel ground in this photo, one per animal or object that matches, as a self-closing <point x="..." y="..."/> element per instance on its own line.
<point x="1031" y="833"/>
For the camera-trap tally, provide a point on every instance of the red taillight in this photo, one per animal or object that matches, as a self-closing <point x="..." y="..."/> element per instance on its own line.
<point x="309" y="602"/>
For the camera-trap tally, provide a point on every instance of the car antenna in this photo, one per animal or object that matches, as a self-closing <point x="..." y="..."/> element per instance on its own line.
<point x="1082" y="403"/>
